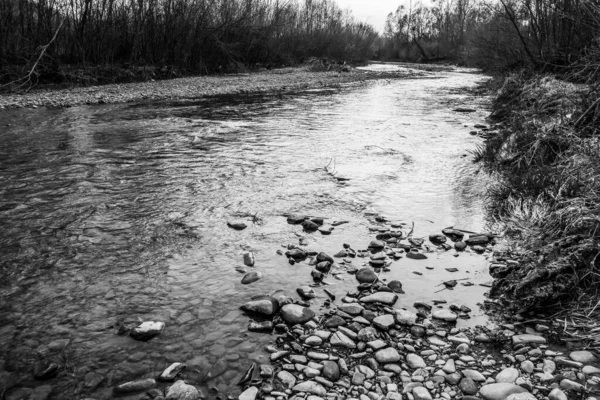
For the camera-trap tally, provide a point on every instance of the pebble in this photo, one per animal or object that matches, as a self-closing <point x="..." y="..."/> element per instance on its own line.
<point x="500" y="391"/>
<point x="251" y="277"/>
<point x="414" y="361"/>
<point x="583" y="356"/>
<point x="445" y="315"/>
<point x="507" y="375"/>
<point x="387" y="298"/>
<point x="296" y="314"/>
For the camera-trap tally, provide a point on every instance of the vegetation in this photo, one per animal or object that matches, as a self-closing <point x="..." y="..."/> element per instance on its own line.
<point x="44" y="39"/>
<point x="546" y="154"/>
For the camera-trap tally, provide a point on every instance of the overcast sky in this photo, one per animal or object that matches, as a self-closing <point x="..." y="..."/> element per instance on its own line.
<point x="374" y="11"/>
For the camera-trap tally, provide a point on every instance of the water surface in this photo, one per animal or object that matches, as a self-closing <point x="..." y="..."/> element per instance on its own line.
<point x="116" y="214"/>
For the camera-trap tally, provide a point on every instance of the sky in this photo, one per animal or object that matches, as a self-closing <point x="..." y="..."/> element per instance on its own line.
<point x="373" y="11"/>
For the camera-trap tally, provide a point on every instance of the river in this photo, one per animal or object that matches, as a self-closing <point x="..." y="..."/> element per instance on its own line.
<point x="117" y="214"/>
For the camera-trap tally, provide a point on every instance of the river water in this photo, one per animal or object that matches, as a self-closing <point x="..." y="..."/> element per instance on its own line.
<point x="117" y="214"/>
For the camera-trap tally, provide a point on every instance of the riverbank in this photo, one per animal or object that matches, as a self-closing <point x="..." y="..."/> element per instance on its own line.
<point x="270" y="81"/>
<point x="547" y="197"/>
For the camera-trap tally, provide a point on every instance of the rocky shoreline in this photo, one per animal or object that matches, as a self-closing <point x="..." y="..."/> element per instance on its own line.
<point x="275" y="81"/>
<point x="366" y="346"/>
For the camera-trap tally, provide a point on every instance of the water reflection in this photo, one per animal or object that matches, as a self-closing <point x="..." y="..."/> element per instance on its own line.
<point x="118" y="213"/>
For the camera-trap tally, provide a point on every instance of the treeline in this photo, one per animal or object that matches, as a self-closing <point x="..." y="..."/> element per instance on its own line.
<point x="544" y="34"/>
<point x="200" y="36"/>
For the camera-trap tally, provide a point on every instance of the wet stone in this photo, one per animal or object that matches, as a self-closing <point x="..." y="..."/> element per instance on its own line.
<point x="261" y="326"/>
<point x="251" y="277"/>
<point x="147" y="330"/>
<point x="386" y="298"/>
<point x="171" y="372"/>
<point x="44" y="370"/>
<point x="237" y="225"/>
<point x="445" y="315"/>
<point x="334" y="322"/>
<point x="249" y="259"/>
<point x="366" y="275"/>
<point x="267" y="307"/>
<point x="135" y="386"/>
<point x="249" y="394"/>
<point x="306" y="292"/>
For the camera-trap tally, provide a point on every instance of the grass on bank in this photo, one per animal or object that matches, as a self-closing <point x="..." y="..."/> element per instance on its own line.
<point x="546" y="157"/>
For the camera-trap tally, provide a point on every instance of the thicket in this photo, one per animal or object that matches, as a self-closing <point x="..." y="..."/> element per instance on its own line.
<point x="546" y="152"/>
<point x="41" y="39"/>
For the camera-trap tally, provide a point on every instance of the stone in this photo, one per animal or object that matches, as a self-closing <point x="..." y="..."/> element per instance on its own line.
<point x="44" y="370"/>
<point x="296" y="219"/>
<point x="237" y="225"/>
<point x="334" y="322"/>
<point x="296" y="314"/>
<point x="507" y="375"/>
<point x="147" y="330"/>
<point x="171" y="372"/>
<point x="351" y="308"/>
<point x="387" y="298"/>
<point x="453" y="378"/>
<point x="521" y="396"/>
<point x="141" y="385"/>
<point x="468" y="386"/>
<point x="367" y="334"/>
<point x="528" y="338"/>
<point x="567" y="384"/>
<point x="331" y="370"/>
<point x="323" y="257"/>
<point x="366" y="275"/>
<point x="339" y="339"/>
<point x="460" y="246"/>
<point x="39" y="393"/>
<point x="288" y="380"/>
<point x="475" y="375"/>
<point x="306" y="292"/>
<point x="387" y="356"/>
<point x="376" y="244"/>
<point x="313" y="341"/>
<point x="311" y="387"/>
<point x="445" y="315"/>
<point x="591" y="370"/>
<point x="449" y="367"/>
<point x="436" y="341"/>
<point x="249" y="394"/>
<point x="421" y="393"/>
<point x="405" y="317"/>
<point x="414" y="361"/>
<point x="557" y="394"/>
<point x="500" y="391"/>
<point x="358" y="378"/>
<point x="549" y="366"/>
<point x="384" y="322"/>
<point x="396" y="286"/>
<point x="249" y="259"/>
<point x="309" y="226"/>
<point x="267" y="307"/>
<point x="583" y="356"/>
<point x="251" y="277"/>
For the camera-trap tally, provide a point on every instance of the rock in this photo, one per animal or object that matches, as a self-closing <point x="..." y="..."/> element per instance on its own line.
<point x="453" y="378"/>
<point x="237" y="225"/>
<point x="421" y="393"/>
<point x="590" y="370"/>
<point x="249" y="259"/>
<point x="323" y="257"/>
<point x="334" y="322"/>
<point x="44" y="370"/>
<point x="251" y="277"/>
<point x="249" y="394"/>
<point x="339" y="339"/>
<point x="414" y="361"/>
<point x="267" y="307"/>
<point x="445" y="315"/>
<point x="39" y="393"/>
<point x="528" y="338"/>
<point x="460" y="246"/>
<point x="396" y="286"/>
<point x="449" y="367"/>
<point x="309" y="226"/>
<point x="288" y="380"/>
<point x="567" y="384"/>
<point x="323" y="266"/>
<point x="313" y="341"/>
<point x="477" y="240"/>
<point x="386" y="298"/>
<point x="387" y="356"/>
<point x="367" y="334"/>
<point x="358" y="378"/>
<point x="468" y="386"/>
<point x="384" y="322"/>
<point x="296" y="314"/>
<point x="261" y="326"/>
<point x="140" y="385"/>
<point x="507" y="375"/>
<point x="500" y="391"/>
<point x="296" y="219"/>
<point x="527" y="366"/>
<point x="351" y="308"/>
<point x="436" y="341"/>
<point x="405" y="317"/>
<point x="557" y="394"/>
<point x="521" y="396"/>
<point x="147" y="330"/>
<point x="310" y="387"/>
<point x="475" y="375"/>
<point x="331" y="370"/>
<point x="453" y="233"/>
<point x="415" y="255"/>
<point x="376" y="245"/>
<point x="437" y="238"/>
<point x="171" y="372"/>
<point x="582" y="356"/>
<point x="306" y="292"/>
<point x="366" y="275"/>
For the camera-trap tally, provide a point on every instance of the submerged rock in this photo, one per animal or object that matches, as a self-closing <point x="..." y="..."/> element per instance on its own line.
<point x="135" y="386"/>
<point x="251" y="277"/>
<point x="267" y="307"/>
<point x="249" y="259"/>
<point x="171" y="372"/>
<point x="182" y="391"/>
<point x="147" y="330"/>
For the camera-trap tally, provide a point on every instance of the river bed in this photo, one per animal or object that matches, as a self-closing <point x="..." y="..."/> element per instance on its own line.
<point x="117" y="214"/>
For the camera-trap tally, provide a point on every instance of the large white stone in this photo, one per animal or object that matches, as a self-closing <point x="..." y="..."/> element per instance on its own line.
<point x="500" y="391"/>
<point x="527" y="338"/>
<point x="249" y="394"/>
<point x="311" y="387"/>
<point x="507" y="375"/>
<point x="445" y="315"/>
<point x="182" y="391"/>
<point x="406" y="317"/>
<point x="415" y="361"/>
